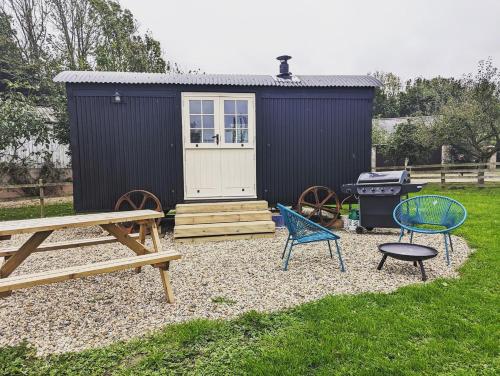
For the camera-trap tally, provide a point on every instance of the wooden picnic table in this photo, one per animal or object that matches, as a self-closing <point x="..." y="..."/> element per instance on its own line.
<point x="41" y="228"/>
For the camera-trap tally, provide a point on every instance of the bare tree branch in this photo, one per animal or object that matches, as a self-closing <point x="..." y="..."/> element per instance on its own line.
<point x="30" y="18"/>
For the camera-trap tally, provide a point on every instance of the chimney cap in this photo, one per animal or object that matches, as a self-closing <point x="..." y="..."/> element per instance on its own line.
<point x="284" y="69"/>
<point x="283" y="58"/>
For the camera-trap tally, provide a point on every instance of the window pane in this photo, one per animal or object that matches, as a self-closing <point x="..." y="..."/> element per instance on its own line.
<point x="195" y="136"/>
<point x="208" y="107"/>
<point x="242" y="121"/>
<point x="243" y="136"/>
<point x="195" y="121"/>
<point x="229" y="122"/>
<point x="229" y="107"/>
<point x="195" y="107"/>
<point x="242" y="107"/>
<point x="230" y="136"/>
<point x="208" y="121"/>
<point x="207" y="136"/>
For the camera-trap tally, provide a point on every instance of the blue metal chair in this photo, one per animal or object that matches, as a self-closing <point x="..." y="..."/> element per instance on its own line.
<point x="301" y="230"/>
<point x="430" y="214"/>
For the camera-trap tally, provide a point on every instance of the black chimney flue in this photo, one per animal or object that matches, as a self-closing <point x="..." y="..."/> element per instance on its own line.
<point x="284" y="72"/>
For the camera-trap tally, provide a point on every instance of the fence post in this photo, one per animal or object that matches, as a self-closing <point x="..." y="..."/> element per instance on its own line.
<point x="480" y="178"/>
<point x="443" y="176"/>
<point x="42" y="198"/>
<point x="493" y="162"/>
<point x="374" y="158"/>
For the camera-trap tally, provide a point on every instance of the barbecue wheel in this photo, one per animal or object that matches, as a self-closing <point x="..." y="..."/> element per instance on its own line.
<point x="137" y="200"/>
<point x="319" y="204"/>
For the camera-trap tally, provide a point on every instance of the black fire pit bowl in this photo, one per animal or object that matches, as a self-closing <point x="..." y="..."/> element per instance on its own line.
<point x="407" y="252"/>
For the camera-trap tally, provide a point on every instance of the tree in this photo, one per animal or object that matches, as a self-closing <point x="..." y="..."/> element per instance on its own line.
<point x="39" y="38"/>
<point x="412" y="140"/>
<point x="386" y="101"/>
<point x="77" y="34"/>
<point x="19" y="123"/>
<point x="10" y="55"/>
<point x="426" y="97"/>
<point x="471" y="122"/>
<point x="120" y="46"/>
<point x="379" y="135"/>
<point x="30" y="20"/>
<point x="418" y="97"/>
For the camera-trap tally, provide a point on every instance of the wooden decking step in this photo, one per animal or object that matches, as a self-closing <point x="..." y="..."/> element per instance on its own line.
<point x="220" y="238"/>
<point x="215" y="207"/>
<point x="222" y="217"/>
<point x="219" y="221"/>
<point x="213" y="229"/>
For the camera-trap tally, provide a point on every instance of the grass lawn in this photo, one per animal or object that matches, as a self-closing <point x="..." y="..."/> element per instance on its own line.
<point x="33" y="211"/>
<point x="446" y="327"/>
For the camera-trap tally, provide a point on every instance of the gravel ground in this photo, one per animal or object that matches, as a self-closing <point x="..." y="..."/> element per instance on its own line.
<point x="213" y="280"/>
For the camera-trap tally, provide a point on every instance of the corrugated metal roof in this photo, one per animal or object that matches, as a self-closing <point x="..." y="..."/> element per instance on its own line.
<point x="215" y="79"/>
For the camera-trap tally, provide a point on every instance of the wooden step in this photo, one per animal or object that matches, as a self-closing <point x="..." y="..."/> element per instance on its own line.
<point x="212" y="229"/>
<point x="215" y="207"/>
<point x="220" y="238"/>
<point x="19" y="282"/>
<point x="222" y="217"/>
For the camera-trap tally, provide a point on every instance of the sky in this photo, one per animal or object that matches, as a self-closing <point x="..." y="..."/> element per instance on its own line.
<point x="411" y="38"/>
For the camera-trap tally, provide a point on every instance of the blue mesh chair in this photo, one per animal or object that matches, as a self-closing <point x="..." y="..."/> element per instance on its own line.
<point x="301" y="230"/>
<point x="430" y="214"/>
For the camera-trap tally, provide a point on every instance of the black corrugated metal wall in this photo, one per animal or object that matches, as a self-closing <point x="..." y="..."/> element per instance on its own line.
<point x="303" y="137"/>
<point x="134" y="145"/>
<point x="310" y="140"/>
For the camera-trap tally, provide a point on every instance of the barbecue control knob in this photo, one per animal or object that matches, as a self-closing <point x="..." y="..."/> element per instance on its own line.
<point x="381" y="189"/>
<point x="364" y="189"/>
<point x="392" y="189"/>
<point x="373" y="189"/>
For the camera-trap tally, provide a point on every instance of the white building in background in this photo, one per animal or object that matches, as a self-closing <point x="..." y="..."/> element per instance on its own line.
<point x="59" y="153"/>
<point x="389" y="124"/>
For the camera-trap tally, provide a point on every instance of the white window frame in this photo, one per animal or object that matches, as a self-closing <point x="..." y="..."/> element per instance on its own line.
<point x="218" y="99"/>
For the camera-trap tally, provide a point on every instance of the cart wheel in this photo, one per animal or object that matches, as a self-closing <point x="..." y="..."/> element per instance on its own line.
<point x="369" y="228"/>
<point x="137" y="200"/>
<point x="359" y="230"/>
<point x="319" y="204"/>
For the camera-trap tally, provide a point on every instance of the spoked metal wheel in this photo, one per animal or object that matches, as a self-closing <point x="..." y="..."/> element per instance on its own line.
<point x="319" y="204"/>
<point x="137" y="200"/>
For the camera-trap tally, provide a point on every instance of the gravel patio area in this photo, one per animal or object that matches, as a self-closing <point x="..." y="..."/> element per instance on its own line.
<point x="213" y="280"/>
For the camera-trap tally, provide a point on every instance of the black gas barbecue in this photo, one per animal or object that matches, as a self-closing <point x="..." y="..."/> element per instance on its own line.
<point x="378" y="194"/>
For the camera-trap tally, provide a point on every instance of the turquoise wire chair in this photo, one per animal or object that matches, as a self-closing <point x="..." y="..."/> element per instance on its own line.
<point x="430" y="214"/>
<point x="302" y="230"/>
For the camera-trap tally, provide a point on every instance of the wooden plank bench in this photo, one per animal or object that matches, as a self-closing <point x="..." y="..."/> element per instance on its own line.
<point x="160" y="259"/>
<point x="41" y="228"/>
<point x="10" y="251"/>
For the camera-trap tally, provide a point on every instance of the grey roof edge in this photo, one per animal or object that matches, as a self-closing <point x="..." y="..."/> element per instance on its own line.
<point x="215" y="79"/>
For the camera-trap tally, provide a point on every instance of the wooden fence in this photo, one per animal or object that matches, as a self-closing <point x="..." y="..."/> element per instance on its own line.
<point x="40" y="186"/>
<point x="476" y="173"/>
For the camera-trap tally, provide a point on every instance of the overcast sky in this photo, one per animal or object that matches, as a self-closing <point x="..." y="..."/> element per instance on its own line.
<point x="408" y="37"/>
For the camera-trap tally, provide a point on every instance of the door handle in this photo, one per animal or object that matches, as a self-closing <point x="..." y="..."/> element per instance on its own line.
<point x="216" y="138"/>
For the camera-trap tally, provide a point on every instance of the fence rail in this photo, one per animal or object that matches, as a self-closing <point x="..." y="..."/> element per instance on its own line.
<point x="41" y="185"/>
<point x="479" y="173"/>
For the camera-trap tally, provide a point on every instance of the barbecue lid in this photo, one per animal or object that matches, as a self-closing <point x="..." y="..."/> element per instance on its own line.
<point x="394" y="177"/>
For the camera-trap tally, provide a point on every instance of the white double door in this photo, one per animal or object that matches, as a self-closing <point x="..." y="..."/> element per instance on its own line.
<point x="219" y="145"/>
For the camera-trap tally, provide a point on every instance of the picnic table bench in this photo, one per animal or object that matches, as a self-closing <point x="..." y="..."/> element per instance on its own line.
<point x="41" y="228"/>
